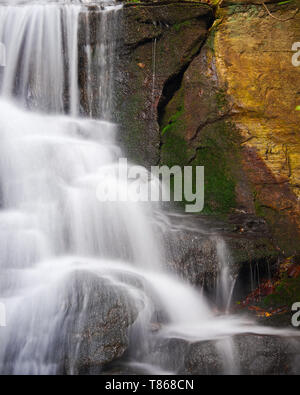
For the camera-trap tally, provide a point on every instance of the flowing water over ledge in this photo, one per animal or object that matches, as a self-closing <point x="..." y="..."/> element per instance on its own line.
<point x="67" y="261"/>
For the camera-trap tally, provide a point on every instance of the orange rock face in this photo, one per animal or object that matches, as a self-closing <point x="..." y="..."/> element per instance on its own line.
<point x="253" y="57"/>
<point x="236" y="114"/>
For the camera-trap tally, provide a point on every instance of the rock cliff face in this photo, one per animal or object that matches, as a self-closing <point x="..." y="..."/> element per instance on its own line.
<point x="225" y="99"/>
<point x="251" y="53"/>
<point x="194" y="244"/>
<point x="158" y="43"/>
<point x="197" y="83"/>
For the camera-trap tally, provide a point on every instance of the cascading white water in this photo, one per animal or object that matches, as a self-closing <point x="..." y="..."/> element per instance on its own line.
<point x="51" y="223"/>
<point x="35" y="45"/>
<point x="49" y="166"/>
<point x="226" y="280"/>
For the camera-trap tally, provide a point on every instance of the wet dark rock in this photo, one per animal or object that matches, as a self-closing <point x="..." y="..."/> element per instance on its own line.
<point x="250" y="355"/>
<point x="193" y="256"/>
<point x="253" y="355"/>
<point x="169" y="354"/>
<point x="191" y="245"/>
<point x="158" y="41"/>
<point x="202" y="358"/>
<point x="206" y="120"/>
<point x="103" y="313"/>
<point x="267" y="354"/>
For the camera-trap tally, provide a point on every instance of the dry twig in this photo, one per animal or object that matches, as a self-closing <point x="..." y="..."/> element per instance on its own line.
<point x="279" y="19"/>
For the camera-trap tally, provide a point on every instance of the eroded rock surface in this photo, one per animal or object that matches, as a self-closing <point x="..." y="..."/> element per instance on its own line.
<point x="246" y="354"/>
<point x="195" y="250"/>
<point x="158" y="43"/>
<point x="103" y="314"/>
<point x="235" y="113"/>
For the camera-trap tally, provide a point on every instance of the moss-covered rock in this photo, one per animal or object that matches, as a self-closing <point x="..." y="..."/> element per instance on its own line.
<point x="158" y="43"/>
<point x="195" y="132"/>
<point x="228" y="105"/>
<point x="253" y="62"/>
<point x="286" y="293"/>
<point x="235" y="114"/>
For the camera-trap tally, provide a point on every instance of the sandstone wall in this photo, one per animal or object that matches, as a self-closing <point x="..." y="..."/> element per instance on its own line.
<point x="224" y="97"/>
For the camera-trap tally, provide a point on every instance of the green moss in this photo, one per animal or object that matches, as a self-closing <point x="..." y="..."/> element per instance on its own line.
<point x="218" y="152"/>
<point x="286" y="293"/>
<point x="210" y="42"/>
<point x="133" y="127"/>
<point x="175" y="150"/>
<point x="258" y="208"/>
<point x="284" y="230"/>
<point x="172" y="121"/>
<point x="233" y="9"/>
<point x="217" y="148"/>
<point x="220" y="99"/>
<point x="178" y="26"/>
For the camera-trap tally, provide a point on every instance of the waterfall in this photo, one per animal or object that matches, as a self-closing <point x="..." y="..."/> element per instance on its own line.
<point x="154" y="45"/>
<point x="226" y="280"/>
<point x="51" y="223"/>
<point x="35" y="73"/>
<point x="54" y="140"/>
